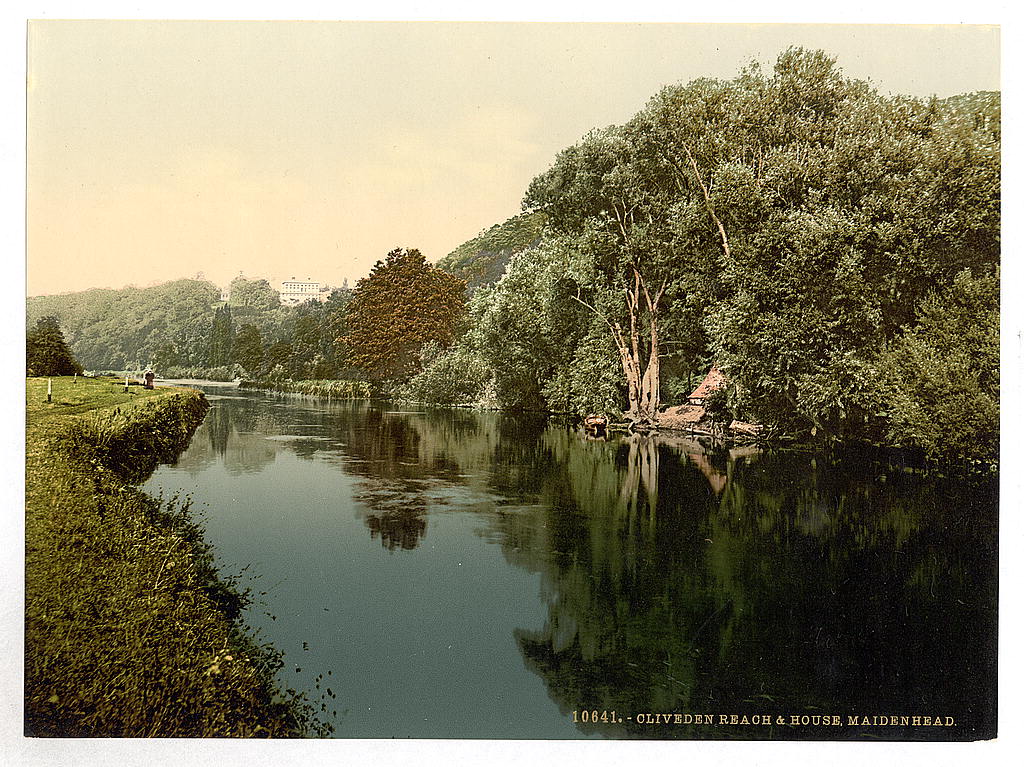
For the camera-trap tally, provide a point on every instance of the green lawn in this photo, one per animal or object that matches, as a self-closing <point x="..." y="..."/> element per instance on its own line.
<point x="74" y="396"/>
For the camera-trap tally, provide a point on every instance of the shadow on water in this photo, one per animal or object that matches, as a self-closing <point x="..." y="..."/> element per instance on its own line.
<point x="678" y="580"/>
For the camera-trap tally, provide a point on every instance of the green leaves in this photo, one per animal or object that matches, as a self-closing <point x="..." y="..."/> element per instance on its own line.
<point x="247" y="350"/>
<point x="940" y="377"/>
<point x="47" y="353"/>
<point x="222" y="337"/>
<point x="254" y="294"/>
<point x="804" y="225"/>
<point x="115" y="329"/>
<point x="483" y="259"/>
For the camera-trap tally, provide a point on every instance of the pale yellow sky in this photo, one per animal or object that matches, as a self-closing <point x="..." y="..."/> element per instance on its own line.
<point x="161" y="149"/>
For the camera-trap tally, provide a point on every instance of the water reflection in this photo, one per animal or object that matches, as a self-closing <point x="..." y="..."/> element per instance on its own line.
<point x="233" y="433"/>
<point x="395" y="512"/>
<point x="804" y="588"/>
<point x="674" y="578"/>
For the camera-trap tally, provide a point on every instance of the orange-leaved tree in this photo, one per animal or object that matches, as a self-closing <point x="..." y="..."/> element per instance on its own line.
<point x="403" y="304"/>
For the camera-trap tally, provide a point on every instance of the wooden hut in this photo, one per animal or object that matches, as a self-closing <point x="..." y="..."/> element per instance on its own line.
<point x="713" y="381"/>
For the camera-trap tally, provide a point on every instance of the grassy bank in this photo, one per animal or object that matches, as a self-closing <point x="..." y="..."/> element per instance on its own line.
<point x="328" y="389"/>
<point x="129" y="630"/>
<point x="223" y="373"/>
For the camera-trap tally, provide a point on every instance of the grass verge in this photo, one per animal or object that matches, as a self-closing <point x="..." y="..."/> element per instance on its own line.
<point x="129" y="630"/>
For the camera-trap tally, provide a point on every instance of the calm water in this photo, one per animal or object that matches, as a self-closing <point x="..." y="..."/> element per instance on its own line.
<point x="456" y="574"/>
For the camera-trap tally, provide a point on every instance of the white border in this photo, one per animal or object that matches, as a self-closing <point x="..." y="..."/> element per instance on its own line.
<point x="14" y="749"/>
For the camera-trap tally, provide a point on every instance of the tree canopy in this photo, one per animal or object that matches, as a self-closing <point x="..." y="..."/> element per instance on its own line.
<point x="181" y="328"/>
<point x="940" y="377"/>
<point x="253" y="294"/>
<point x="247" y="350"/>
<point x="132" y="327"/>
<point x="47" y="351"/>
<point x="222" y="337"/>
<point x="483" y="259"/>
<point x="403" y="304"/>
<point x="833" y="250"/>
<point x="796" y="221"/>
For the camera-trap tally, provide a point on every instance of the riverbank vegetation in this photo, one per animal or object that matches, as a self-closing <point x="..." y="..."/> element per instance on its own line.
<point x="130" y="632"/>
<point x="834" y="251"/>
<point x="329" y="389"/>
<point x="183" y="329"/>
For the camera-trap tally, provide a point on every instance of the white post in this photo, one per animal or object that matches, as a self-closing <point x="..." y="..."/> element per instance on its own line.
<point x="125" y="383"/>
<point x="49" y="390"/>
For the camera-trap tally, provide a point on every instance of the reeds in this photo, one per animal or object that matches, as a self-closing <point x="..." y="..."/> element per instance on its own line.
<point x="326" y="389"/>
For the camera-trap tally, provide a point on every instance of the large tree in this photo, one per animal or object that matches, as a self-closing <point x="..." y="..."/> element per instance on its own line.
<point x="253" y="294"/>
<point x="47" y="351"/>
<point x="403" y="304"/>
<point x="838" y="211"/>
<point x="787" y="224"/>
<point x="545" y="349"/>
<point x="939" y="380"/>
<point x="247" y="349"/>
<point x="608" y="200"/>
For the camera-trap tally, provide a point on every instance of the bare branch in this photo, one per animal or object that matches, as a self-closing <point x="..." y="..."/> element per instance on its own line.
<point x="707" y="202"/>
<point x="594" y="310"/>
<point x="620" y="220"/>
<point x="652" y="304"/>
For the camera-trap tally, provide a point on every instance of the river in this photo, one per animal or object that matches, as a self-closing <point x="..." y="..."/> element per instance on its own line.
<point x="452" y="574"/>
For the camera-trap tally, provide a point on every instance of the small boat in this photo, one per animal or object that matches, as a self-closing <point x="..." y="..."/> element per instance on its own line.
<point x="595" y="424"/>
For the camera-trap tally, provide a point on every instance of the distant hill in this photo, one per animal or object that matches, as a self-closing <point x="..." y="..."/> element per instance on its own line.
<point x="116" y="329"/>
<point x="482" y="260"/>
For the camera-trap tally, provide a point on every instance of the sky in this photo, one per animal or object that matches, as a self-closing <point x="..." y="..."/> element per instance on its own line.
<point x="161" y="149"/>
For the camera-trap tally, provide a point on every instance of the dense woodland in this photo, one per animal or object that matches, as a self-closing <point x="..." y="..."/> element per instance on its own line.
<point x="484" y="259"/>
<point x="833" y="250"/>
<point x="182" y="329"/>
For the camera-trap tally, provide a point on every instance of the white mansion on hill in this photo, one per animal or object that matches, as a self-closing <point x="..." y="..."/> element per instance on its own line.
<point x="295" y="292"/>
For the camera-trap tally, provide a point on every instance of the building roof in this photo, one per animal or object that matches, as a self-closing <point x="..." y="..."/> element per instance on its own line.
<point x="713" y="381"/>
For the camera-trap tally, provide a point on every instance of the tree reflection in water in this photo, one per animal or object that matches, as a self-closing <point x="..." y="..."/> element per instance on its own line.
<point x="387" y="453"/>
<point x="395" y="514"/>
<point x="681" y="579"/>
<point x="696" y="582"/>
<point x="233" y="432"/>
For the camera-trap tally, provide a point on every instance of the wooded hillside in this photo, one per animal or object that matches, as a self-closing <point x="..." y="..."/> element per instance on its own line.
<point x="834" y="251"/>
<point x="482" y="260"/>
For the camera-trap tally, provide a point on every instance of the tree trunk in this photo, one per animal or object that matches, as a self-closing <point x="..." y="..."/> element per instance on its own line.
<point x="628" y="366"/>
<point x="643" y="382"/>
<point x="643" y="407"/>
